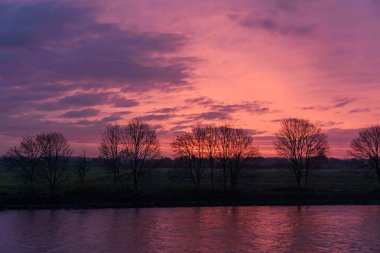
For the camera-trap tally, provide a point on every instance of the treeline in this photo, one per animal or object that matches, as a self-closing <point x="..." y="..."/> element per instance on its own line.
<point x="127" y="153"/>
<point x="227" y="148"/>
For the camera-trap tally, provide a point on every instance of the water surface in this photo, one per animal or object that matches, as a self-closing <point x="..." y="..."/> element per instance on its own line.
<point x="206" y="229"/>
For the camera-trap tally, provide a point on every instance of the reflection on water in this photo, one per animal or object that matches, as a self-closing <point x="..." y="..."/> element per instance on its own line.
<point x="207" y="229"/>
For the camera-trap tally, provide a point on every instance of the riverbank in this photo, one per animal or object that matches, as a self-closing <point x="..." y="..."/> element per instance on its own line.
<point x="165" y="188"/>
<point x="81" y="201"/>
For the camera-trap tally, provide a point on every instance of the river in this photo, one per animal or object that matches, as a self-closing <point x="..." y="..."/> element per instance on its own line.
<point x="198" y="229"/>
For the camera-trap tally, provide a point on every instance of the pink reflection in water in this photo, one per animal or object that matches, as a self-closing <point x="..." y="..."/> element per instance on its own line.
<point x="208" y="229"/>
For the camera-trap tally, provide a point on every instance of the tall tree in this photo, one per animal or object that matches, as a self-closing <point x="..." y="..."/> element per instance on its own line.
<point x="316" y="149"/>
<point x="224" y="141"/>
<point x="243" y="152"/>
<point x="190" y="147"/>
<point x="366" y="148"/>
<point x="111" y="151"/>
<point x="26" y="158"/>
<point x="81" y="168"/>
<point x="236" y="150"/>
<point x="301" y="142"/>
<point x="182" y="146"/>
<point x="55" y="155"/>
<point x="140" y="145"/>
<point x="211" y="150"/>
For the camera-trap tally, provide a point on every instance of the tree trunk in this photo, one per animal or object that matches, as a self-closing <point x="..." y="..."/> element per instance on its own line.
<point x="225" y="180"/>
<point x="306" y="177"/>
<point x="212" y="173"/>
<point x="307" y="165"/>
<point x="198" y="184"/>
<point x="233" y="180"/>
<point x="32" y="186"/>
<point x="233" y="185"/>
<point x="378" y="174"/>
<point x="298" y="181"/>
<point x="298" y="173"/>
<point x="135" y="180"/>
<point x="115" y="179"/>
<point x="52" y="188"/>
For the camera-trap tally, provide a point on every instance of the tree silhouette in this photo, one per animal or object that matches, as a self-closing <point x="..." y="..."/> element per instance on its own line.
<point x="231" y="146"/>
<point x="111" y="151"/>
<point x="26" y="158"/>
<point x="81" y="168"/>
<point x="140" y="144"/>
<point x="302" y="143"/>
<point x="236" y="150"/>
<point x="211" y="134"/>
<point x="55" y="156"/>
<point x="225" y="135"/>
<point x="190" y="147"/>
<point x="366" y="148"/>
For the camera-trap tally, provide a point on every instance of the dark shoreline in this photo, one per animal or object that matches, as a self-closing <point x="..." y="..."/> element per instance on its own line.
<point x="93" y="201"/>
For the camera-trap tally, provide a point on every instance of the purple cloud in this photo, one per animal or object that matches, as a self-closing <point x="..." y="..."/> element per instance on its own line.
<point x="341" y="102"/>
<point x="257" y="107"/>
<point x="204" y="101"/>
<point x="50" y="50"/>
<point x="54" y="41"/>
<point x="212" y="116"/>
<point x="81" y="113"/>
<point x="84" y="99"/>
<point x="169" y="109"/>
<point x="150" y="117"/>
<point x="337" y="103"/>
<point x="359" y="110"/>
<point x="273" y="26"/>
<point x="119" y="101"/>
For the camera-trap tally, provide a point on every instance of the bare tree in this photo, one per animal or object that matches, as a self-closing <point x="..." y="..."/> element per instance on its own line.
<point x="225" y="135"/>
<point x="211" y="150"/>
<point x="316" y="149"/>
<point x="182" y="147"/>
<point x="81" y="168"/>
<point x="199" y="152"/>
<point x="301" y="142"/>
<point x="55" y="155"/>
<point x="366" y="148"/>
<point x="111" y="151"/>
<point x="140" y="145"/>
<point x="236" y="150"/>
<point x="242" y="152"/>
<point x="26" y="158"/>
<point x="191" y="148"/>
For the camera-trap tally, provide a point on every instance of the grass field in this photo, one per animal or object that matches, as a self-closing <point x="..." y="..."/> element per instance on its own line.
<point x="170" y="181"/>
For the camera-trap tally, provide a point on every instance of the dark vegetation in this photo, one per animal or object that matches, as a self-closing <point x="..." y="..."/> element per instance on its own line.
<point x="213" y="166"/>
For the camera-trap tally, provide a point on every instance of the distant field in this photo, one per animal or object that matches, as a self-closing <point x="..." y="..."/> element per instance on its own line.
<point x="169" y="180"/>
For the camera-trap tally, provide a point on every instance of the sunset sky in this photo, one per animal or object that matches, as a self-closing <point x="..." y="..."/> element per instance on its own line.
<point x="76" y="66"/>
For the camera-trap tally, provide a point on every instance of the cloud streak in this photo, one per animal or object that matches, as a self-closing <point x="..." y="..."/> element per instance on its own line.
<point x="336" y="104"/>
<point x="274" y="26"/>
